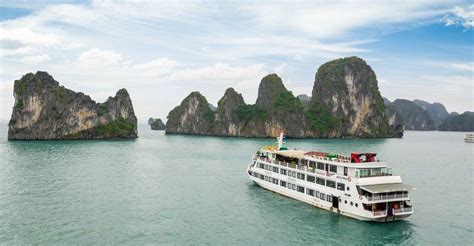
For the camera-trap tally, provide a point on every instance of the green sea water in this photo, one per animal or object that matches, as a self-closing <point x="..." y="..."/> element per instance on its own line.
<point x="161" y="189"/>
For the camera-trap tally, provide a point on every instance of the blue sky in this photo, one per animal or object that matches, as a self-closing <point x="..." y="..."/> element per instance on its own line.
<point x="161" y="51"/>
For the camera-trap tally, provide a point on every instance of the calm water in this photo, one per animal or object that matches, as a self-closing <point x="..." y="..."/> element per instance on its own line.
<point x="193" y="190"/>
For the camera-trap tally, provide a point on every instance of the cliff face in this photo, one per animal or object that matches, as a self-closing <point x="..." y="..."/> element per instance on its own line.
<point x="45" y="110"/>
<point x="436" y="111"/>
<point x="414" y="117"/>
<point x="458" y="122"/>
<point x="346" y="101"/>
<point x="192" y="116"/>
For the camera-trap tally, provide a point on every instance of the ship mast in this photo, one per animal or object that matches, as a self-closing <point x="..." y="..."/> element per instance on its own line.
<point x="280" y="140"/>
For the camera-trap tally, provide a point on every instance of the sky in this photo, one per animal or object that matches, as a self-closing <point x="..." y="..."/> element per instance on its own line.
<point x="160" y="51"/>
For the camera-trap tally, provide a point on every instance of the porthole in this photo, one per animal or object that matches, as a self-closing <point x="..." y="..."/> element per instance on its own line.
<point x="340" y="200"/>
<point x="345" y="201"/>
<point x="357" y="205"/>
<point x="352" y="203"/>
<point x="348" y="188"/>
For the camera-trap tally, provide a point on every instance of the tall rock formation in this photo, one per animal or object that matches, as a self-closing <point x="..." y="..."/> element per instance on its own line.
<point x="228" y="122"/>
<point x="45" y="110"/>
<point x="414" y="117"/>
<point x="346" y="101"/>
<point x="436" y="111"/>
<point x="192" y="116"/>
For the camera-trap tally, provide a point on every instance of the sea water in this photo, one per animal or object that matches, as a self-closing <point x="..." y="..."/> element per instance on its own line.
<point x="172" y="189"/>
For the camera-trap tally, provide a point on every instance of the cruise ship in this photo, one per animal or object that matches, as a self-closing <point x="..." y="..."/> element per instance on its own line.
<point x="359" y="186"/>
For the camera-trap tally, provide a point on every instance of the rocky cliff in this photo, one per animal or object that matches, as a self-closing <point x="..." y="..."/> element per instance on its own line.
<point x="436" y="111"/>
<point x="458" y="122"/>
<point x="345" y="103"/>
<point x="414" y="117"/>
<point x="156" y="124"/>
<point x="45" y="110"/>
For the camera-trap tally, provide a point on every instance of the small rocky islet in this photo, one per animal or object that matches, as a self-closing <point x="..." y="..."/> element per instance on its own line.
<point x="345" y="102"/>
<point x="156" y="124"/>
<point x="44" y="110"/>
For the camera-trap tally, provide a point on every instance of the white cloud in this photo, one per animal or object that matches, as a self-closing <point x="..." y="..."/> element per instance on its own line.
<point x="330" y="19"/>
<point x="157" y="66"/>
<point x="469" y="67"/>
<point x="98" y="57"/>
<point x="35" y="59"/>
<point x="461" y="16"/>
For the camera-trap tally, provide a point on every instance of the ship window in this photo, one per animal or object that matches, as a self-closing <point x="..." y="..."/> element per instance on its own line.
<point x="301" y="176"/>
<point x="293" y="174"/>
<point x="330" y="183"/>
<point x="283" y="171"/>
<point x="345" y="171"/>
<point x="357" y="205"/>
<point x="322" y="196"/>
<point x="312" y="164"/>
<point x="261" y="177"/>
<point x="275" y="169"/>
<point x="293" y="186"/>
<point x="288" y="186"/>
<point x="341" y="186"/>
<point x="320" y="166"/>
<point x="310" y="178"/>
<point x="300" y="189"/>
<point x="333" y="168"/>
<point x="317" y="194"/>
<point x="266" y="178"/>
<point x="283" y="183"/>
<point x="329" y="198"/>
<point x="320" y="181"/>
<point x="345" y="201"/>
<point x="352" y="203"/>
<point x="261" y="165"/>
<point x="255" y="174"/>
<point x="310" y="192"/>
<point x="275" y="181"/>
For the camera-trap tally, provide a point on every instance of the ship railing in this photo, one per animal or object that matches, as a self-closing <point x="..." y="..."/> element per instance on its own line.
<point x="386" y="197"/>
<point x="379" y="213"/>
<point x="403" y="210"/>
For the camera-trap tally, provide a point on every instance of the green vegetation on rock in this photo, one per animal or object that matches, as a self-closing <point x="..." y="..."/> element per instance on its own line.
<point x="251" y="112"/>
<point x="288" y="102"/>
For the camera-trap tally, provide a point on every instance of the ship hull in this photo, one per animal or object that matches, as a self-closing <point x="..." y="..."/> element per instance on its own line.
<point x="316" y="203"/>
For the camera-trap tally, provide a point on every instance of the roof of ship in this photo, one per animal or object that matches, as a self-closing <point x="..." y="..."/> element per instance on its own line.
<point x="292" y="153"/>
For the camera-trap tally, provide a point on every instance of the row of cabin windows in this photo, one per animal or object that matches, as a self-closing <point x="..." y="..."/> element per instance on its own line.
<point x="332" y="168"/>
<point x="295" y="187"/>
<point x="309" y="178"/>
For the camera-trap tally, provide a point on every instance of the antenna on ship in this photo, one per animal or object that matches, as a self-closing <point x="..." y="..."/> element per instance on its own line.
<point x="280" y="139"/>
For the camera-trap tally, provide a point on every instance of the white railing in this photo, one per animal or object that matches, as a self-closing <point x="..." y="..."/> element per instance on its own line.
<point x="403" y="210"/>
<point x="378" y="213"/>
<point x="387" y="197"/>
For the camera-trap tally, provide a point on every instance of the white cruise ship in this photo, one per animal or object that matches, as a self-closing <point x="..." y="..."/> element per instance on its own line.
<point x="359" y="186"/>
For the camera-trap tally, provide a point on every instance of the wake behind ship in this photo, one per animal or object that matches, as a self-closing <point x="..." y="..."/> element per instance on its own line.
<point x="359" y="186"/>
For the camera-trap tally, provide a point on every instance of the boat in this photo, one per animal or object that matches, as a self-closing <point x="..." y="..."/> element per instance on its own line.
<point x="469" y="138"/>
<point x="357" y="186"/>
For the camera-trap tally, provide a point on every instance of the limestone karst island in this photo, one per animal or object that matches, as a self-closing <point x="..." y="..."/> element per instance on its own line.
<point x="44" y="110"/>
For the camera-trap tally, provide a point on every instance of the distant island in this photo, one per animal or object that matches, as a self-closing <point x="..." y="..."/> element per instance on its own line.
<point x="156" y="124"/>
<point x="345" y="102"/>
<point x="44" y="110"/>
<point x="424" y="116"/>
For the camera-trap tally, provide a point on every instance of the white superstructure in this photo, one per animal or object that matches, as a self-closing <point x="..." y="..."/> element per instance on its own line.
<point x="469" y="138"/>
<point x="360" y="188"/>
